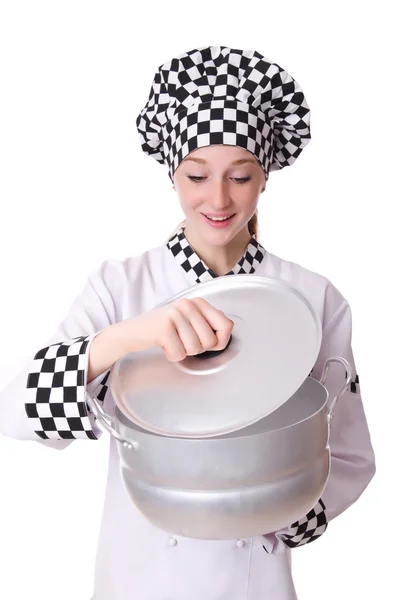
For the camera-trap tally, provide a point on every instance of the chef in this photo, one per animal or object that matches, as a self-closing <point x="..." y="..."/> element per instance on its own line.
<point x="220" y="120"/>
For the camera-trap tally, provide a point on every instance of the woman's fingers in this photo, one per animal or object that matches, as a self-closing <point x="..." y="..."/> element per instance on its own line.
<point x="218" y="322"/>
<point x="191" y="326"/>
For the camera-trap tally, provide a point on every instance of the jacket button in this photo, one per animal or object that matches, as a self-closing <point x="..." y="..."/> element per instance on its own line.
<point x="172" y="541"/>
<point x="240" y="543"/>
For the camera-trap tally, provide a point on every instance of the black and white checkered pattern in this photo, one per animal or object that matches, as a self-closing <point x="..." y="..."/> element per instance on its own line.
<point x="304" y="531"/>
<point x="355" y="385"/>
<point x="56" y="386"/>
<point x="198" y="271"/>
<point x="307" y="529"/>
<point x="221" y="95"/>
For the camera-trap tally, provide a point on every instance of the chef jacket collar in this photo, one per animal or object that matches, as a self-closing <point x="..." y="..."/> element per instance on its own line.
<point x="196" y="269"/>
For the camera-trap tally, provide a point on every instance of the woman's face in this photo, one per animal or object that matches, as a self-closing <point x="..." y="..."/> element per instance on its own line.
<point x="219" y="181"/>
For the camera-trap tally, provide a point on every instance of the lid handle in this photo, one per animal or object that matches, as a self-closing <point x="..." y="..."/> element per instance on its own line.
<point x="212" y="353"/>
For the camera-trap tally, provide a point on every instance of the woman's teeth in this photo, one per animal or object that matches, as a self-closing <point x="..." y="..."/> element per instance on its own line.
<point x="218" y="218"/>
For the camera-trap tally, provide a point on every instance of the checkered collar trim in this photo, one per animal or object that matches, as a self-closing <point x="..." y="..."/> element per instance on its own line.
<point x="196" y="269"/>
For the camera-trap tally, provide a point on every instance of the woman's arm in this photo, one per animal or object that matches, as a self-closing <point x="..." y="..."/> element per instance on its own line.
<point x="45" y="402"/>
<point x="352" y="455"/>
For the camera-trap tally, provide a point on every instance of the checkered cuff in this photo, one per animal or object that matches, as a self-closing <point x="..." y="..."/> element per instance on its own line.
<point x="56" y="387"/>
<point x="304" y="531"/>
<point x="307" y="529"/>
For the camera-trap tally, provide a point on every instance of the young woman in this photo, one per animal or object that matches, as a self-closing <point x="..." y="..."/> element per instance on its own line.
<point x="221" y="119"/>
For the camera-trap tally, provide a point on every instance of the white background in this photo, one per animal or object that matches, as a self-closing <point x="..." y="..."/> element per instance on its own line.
<point x="77" y="189"/>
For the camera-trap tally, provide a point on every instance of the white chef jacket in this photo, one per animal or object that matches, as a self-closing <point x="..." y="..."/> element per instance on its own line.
<point x="46" y="402"/>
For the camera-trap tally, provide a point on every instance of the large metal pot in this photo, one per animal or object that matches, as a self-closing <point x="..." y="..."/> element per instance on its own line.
<point x="249" y="482"/>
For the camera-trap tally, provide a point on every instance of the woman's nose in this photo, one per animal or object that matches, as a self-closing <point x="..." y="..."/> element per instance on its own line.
<point x="220" y="198"/>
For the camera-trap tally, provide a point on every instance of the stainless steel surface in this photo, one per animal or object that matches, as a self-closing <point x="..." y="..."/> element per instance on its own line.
<point x="231" y="513"/>
<point x="248" y="482"/>
<point x="276" y="340"/>
<point x="107" y="422"/>
<point x="343" y="388"/>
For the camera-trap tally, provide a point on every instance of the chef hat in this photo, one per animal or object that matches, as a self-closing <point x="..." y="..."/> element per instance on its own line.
<point x="220" y="95"/>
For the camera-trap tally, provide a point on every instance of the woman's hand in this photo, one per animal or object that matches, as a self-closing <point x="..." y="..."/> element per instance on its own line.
<point x="182" y="328"/>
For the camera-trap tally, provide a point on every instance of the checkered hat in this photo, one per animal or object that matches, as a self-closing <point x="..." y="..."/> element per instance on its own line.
<point x="220" y="95"/>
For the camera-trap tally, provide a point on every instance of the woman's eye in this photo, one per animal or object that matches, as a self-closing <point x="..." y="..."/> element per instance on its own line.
<point x="242" y="179"/>
<point x="236" y="179"/>
<point x="195" y="178"/>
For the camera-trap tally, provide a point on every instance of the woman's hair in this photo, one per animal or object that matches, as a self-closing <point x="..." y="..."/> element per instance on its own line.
<point x="252" y="226"/>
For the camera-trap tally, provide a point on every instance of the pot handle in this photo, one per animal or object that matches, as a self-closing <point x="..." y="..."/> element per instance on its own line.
<point x="342" y="390"/>
<point x="107" y="422"/>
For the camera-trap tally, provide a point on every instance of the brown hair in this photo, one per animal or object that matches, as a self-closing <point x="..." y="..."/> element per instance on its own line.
<point x="252" y="226"/>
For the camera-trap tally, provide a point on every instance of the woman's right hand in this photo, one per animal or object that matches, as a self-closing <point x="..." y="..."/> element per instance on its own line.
<point x="182" y="328"/>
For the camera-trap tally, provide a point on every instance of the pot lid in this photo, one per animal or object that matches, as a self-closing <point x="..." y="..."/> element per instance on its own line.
<point x="275" y="341"/>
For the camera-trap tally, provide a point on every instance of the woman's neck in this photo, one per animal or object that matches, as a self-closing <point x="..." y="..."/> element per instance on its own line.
<point x="221" y="259"/>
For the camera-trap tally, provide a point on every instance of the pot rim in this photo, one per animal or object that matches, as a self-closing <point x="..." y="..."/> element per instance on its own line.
<point x="120" y="417"/>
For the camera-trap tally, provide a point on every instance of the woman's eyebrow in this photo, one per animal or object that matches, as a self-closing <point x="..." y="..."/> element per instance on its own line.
<point x="235" y="162"/>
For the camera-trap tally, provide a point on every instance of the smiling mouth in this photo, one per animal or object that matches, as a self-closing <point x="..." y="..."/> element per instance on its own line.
<point x="218" y="219"/>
